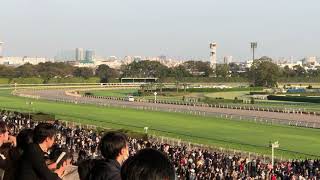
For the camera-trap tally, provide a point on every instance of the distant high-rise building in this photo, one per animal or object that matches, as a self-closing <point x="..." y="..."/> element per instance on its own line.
<point x="213" y="55"/>
<point x="1" y="44"/>
<point x="79" y="54"/>
<point x="227" y="59"/>
<point x="90" y="55"/>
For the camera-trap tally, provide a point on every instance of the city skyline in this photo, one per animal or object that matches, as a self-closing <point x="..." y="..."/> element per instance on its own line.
<point x="176" y="29"/>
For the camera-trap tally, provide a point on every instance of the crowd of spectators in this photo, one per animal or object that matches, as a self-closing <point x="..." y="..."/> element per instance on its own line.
<point x="51" y="151"/>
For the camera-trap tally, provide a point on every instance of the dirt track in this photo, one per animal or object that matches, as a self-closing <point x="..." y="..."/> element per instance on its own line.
<point x="275" y="117"/>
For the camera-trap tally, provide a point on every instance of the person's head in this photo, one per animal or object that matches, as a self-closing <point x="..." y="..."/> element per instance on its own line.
<point x="44" y="133"/>
<point x="114" y="145"/>
<point x="60" y="157"/>
<point x="4" y="133"/>
<point x="148" y="164"/>
<point x="24" y="138"/>
<point x="82" y="155"/>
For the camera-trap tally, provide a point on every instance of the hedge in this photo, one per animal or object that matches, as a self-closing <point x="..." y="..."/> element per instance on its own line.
<point x="207" y="79"/>
<point x="4" y="81"/>
<point x="258" y="92"/>
<point x="295" y="98"/>
<point x="31" y="80"/>
<point x="74" y="80"/>
<point x="225" y="89"/>
<point x="219" y="100"/>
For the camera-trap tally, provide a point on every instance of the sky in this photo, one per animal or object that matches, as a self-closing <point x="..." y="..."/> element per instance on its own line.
<point x="175" y="28"/>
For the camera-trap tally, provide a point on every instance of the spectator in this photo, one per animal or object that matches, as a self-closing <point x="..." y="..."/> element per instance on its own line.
<point x="24" y="138"/>
<point x="4" y="137"/>
<point x="190" y="163"/>
<point x="148" y="164"/>
<point x="33" y="164"/>
<point x="62" y="158"/>
<point x="114" y="148"/>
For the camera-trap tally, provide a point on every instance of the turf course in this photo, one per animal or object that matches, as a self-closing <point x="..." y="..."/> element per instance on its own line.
<point x="126" y="92"/>
<point x="114" y="93"/>
<point x="227" y="95"/>
<point x="312" y="107"/>
<point x="212" y="131"/>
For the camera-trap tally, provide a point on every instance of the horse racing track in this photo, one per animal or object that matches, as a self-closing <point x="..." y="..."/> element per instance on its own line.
<point x="295" y="142"/>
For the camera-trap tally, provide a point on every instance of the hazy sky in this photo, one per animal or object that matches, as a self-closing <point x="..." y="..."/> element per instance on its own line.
<point x="176" y="28"/>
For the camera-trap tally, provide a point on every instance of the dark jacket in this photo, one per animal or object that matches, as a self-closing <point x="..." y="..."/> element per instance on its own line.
<point x="32" y="165"/>
<point x="106" y="170"/>
<point x="12" y="164"/>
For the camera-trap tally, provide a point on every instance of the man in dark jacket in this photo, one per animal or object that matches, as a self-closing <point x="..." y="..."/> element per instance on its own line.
<point x="32" y="165"/>
<point x="114" y="148"/>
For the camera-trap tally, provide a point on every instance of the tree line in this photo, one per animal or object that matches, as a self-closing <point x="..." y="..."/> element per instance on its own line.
<point x="263" y="71"/>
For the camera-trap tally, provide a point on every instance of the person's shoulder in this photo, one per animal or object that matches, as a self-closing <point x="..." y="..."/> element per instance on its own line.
<point x="106" y="169"/>
<point x="32" y="146"/>
<point x="31" y="150"/>
<point x="71" y="173"/>
<point x="112" y="163"/>
<point x="100" y="164"/>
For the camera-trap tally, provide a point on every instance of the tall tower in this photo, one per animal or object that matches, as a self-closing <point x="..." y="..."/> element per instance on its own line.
<point x="1" y="55"/>
<point x="213" y="55"/>
<point x="253" y="46"/>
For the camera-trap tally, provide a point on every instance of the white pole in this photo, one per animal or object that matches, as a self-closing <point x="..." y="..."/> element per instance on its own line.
<point x="273" y="145"/>
<point x="272" y="156"/>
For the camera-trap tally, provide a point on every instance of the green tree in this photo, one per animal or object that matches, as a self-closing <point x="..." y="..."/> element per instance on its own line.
<point x="287" y="72"/>
<point x="84" y="72"/>
<point x="50" y="70"/>
<point x="180" y="72"/>
<point x="145" y="69"/>
<point x="104" y="72"/>
<point x="198" y="68"/>
<point x="7" y="71"/>
<point x="299" y="70"/>
<point x="26" y="70"/>
<point x="222" y="70"/>
<point x="264" y="72"/>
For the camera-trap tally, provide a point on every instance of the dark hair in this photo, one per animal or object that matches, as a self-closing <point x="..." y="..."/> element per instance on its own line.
<point x="112" y="143"/>
<point x="55" y="153"/>
<point x="3" y="127"/>
<point x="24" y="138"/>
<point x="148" y="164"/>
<point x="82" y="155"/>
<point x="43" y="131"/>
<point x="85" y="168"/>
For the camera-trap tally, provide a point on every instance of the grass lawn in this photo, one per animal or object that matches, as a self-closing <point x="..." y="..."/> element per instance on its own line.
<point x="218" y="132"/>
<point x="227" y="95"/>
<point x="126" y="92"/>
<point x="114" y="93"/>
